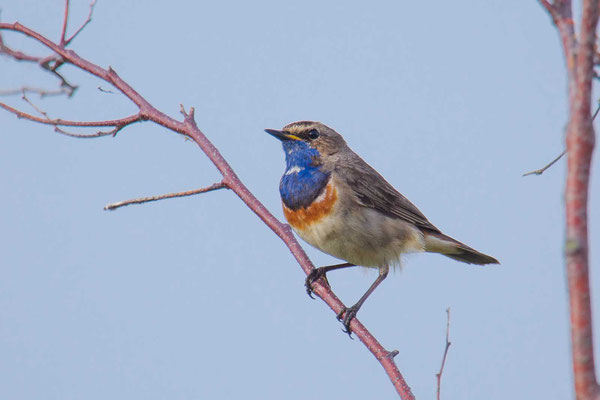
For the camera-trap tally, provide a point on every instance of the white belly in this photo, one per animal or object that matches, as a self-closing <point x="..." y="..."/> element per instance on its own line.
<point x="363" y="237"/>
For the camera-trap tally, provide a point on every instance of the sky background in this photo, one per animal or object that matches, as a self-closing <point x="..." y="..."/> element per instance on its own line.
<point x="195" y="298"/>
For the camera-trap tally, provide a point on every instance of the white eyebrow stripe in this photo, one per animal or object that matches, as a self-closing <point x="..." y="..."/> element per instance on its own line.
<point x="294" y="170"/>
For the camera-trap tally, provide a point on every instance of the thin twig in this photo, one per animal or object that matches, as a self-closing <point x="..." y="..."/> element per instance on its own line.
<point x="214" y="186"/>
<point x="17" y="55"/>
<point x="541" y="170"/>
<point x="117" y="124"/>
<point x="87" y="21"/>
<point x="52" y="64"/>
<point x="63" y="32"/>
<point x="113" y="132"/>
<point x="64" y="122"/>
<point x="40" y="92"/>
<point x="448" y="343"/>
<point x="36" y="108"/>
<point x="100" y="88"/>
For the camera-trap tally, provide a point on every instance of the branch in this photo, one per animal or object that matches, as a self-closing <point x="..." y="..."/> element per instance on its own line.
<point x="189" y="128"/>
<point x="543" y="169"/>
<point x="448" y="343"/>
<point x="580" y="146"/>
<point x="118" y="123"/>
<point x="51" y="64"/>
<point x="562" y="17"/>
<point x="15" y="54"/>
<point x="41" y="92"/>
<point x="64" y="25"/>
<point x="141" y="200"/>
<point x="65" y="42"/>
<point x="64" y="122"/>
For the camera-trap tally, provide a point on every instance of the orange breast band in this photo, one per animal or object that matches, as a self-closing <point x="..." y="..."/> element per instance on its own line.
<point x="320" y="208"/>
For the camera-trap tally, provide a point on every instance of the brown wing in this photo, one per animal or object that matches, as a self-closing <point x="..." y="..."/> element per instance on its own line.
<point x="373" y="191"/>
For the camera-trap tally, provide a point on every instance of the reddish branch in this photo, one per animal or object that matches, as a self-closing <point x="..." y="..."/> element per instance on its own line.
<point x="580" y="56"/>
<point x="188" y="127"/>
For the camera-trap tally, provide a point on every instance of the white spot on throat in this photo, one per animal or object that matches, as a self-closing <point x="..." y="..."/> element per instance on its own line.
<point x="294" y="170"/>
<point x="323" y="194"/>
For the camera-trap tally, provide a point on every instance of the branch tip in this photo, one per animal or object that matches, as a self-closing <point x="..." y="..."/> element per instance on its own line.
<point x="448" y="343"/>
<point x="543" y="169"/>
<point x="141" y="200"/>
<point x="87" y="21"/>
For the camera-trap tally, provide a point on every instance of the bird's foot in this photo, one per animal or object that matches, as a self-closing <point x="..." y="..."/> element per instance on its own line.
<point x="314" y="275"/>
<point x="348" y="315"/>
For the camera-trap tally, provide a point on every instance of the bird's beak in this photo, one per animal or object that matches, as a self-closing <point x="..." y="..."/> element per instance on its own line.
<point x="281" y="135"/>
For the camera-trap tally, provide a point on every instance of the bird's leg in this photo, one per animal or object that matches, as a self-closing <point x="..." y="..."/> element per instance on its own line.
<point x="351" y="312"/>
<point x="320" y="272"/>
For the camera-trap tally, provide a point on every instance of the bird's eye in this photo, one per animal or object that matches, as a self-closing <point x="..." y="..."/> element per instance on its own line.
<point x="313" y="134"/>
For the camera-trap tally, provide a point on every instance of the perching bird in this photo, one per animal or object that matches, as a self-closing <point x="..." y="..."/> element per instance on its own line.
<point x="339" y="204"/>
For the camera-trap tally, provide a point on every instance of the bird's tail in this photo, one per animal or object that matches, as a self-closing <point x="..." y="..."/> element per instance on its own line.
<point x="436" y="242"/>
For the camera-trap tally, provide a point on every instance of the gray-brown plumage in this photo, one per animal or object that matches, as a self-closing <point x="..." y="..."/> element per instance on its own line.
<point x="382" y="197"/>
<point x="338" y="203"/>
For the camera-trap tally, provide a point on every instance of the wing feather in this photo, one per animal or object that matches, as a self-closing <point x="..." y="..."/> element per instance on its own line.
<point x="373" y="191"/>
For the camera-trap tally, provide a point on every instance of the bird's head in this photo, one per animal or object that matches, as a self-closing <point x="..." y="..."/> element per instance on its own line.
<point x="308" y="139"/>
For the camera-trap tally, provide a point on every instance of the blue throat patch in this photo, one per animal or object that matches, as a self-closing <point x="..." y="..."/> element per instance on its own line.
<point x="303" y="180"/>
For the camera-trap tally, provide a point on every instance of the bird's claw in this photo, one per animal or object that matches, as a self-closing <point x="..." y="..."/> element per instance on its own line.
<point x="314" y="275"/>
<point x="348" y="315"/>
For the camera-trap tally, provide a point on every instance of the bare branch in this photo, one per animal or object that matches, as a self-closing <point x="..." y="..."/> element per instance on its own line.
<point x="63" y="32"/>
<point x="581" y="57"/>
<point x="190" y="129"/>
<point x="36" y="108"/>
<point x="52" y="65"/>
<point x="448" y="343"/>
<point x="41" y="92"/>
<point x="17" y="55"/>
<point x="580" y="141"/>
<point x="63" y="122"/>
<point x="549" y="7"/>
<point x="214" y="186"/>
<point x="113" y="132"/>
<point x="543" y="169"/>
<point x="87" y="21"/>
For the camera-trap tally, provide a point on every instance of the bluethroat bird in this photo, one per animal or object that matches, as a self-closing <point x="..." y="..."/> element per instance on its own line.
<point x="339" y="204"/>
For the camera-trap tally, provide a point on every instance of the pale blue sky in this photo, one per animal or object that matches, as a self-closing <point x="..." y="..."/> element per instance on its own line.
<point x="195" y="298"/>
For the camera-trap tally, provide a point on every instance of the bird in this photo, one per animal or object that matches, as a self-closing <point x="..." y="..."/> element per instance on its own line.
<point x="341" y="205"/>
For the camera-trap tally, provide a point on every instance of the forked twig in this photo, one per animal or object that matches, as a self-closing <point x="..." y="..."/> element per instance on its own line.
<point x="87" y="21"/>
